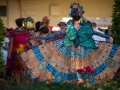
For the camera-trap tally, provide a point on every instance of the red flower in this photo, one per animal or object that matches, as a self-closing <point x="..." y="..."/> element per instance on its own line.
<point x="89" y="69"/>
<point x="80" y="71"/>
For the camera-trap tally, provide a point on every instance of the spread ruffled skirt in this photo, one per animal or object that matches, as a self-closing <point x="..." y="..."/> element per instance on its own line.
<point x="55" y="61"/>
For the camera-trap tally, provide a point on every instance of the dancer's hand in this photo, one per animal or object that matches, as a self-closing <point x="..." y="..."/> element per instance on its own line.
<point x="111" y="40"/>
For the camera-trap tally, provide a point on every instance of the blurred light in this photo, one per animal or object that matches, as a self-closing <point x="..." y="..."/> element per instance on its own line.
<point x="55" y="28"/>
<point x="97" y="18"/>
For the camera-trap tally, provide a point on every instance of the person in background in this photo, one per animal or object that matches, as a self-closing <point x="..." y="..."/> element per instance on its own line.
<point x="19" y="38"/>
<point x="6" y="32"/>
<point x="100" y="29"/>
<point x="37" y="26"/>
<point x="44" y="32"/>
<point x="44" y="29"/>
<point x="62" y="26"/>
<point x="96" y="37"/>
<point x="4" y="50"/>
<point x="32" y="38"/>
<point x="108" y="31"/>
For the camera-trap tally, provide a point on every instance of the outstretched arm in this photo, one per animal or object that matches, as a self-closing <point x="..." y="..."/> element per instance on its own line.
<point x="101" y="34"/>
<point x="54" y="35"/>
<point x="108" y="38"/>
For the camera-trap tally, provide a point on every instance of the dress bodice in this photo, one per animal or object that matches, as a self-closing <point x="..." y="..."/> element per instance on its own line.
<point x="19" y="37"/>
<point x="82" y="37"/>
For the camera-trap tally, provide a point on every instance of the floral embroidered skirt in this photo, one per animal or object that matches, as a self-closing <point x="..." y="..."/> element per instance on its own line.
<point x="58" y="62"/>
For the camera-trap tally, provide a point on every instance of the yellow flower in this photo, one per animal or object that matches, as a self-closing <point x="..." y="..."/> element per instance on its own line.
<point x="21" y="48"/>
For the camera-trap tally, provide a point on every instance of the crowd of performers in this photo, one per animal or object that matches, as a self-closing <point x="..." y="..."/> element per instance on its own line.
<point x="76" y="45"/>
<point x="25" y="35"/>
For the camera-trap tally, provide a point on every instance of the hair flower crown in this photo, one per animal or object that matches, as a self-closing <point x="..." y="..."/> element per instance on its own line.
<point x="76" y="10"/>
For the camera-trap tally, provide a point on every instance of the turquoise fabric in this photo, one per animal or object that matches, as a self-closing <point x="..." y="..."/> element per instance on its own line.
<point x="82" y="37"/>
<point x="66" y="51"/>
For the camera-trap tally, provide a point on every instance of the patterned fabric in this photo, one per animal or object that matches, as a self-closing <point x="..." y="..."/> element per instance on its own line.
<point x="60" y="59"/>
<point x="66" y="51"/>
<point x="51" y="61"/>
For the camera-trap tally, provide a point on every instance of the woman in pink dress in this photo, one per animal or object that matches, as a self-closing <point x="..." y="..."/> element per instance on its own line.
<point x="19" y="38"/>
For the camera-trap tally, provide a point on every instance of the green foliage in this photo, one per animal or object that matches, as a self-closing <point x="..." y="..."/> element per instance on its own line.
<point x="116" y="21"/>
<point x="109" y="85"/>
<point x="1" y="41"/>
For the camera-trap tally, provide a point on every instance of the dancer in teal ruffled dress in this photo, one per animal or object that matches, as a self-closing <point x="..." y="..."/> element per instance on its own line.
<point x="60" y="59"/>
